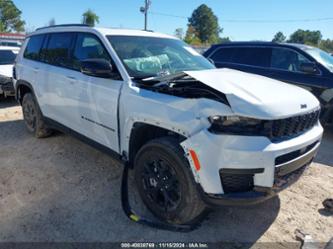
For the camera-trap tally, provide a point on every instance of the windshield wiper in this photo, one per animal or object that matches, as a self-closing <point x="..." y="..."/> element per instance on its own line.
<point x="166" y="78"/>
<point x="157" y="81"/>
<point x="141" y="77"/>
<point x="160" y="81"/>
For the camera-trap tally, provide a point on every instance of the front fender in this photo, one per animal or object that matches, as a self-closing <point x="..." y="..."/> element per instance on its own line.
<point x="183" y="116"/>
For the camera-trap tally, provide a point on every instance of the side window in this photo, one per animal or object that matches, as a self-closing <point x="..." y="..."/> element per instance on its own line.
<point x="223" y="55"/>
<point x="33" y="47"/>
<point x="88" y="46"/>
<point x="287" y="59"/>
<point x="58" y="49"/>
<point x="7" y="57"/>
<point x="252" y="56"/>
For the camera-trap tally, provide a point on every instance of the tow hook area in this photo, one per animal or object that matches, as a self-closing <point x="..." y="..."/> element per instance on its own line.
<point x="145" y="221"/>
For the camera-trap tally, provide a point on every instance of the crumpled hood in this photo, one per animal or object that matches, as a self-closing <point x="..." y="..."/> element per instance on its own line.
<point x="6" y="70"/>
<point x="256" y="96"/>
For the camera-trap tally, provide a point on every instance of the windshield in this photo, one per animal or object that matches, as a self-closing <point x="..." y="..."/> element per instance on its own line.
<point x="7" y="57"/>
<point x="150" y="56"/>
<point x="322" y="57"/>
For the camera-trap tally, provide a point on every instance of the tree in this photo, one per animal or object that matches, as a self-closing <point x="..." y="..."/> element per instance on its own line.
<point x="52" y="22"/>
<point x="205" y="24"/>
<point x="191" y="36"/>
<point x="305" y="37"/>
<point x="10" y="17"/>
<point x="224" y="39"/>
<point x="279" y="37"/>
<point x="90" y="18"/>
<point x="179" y="33"/>
<point x="326" y="45"/>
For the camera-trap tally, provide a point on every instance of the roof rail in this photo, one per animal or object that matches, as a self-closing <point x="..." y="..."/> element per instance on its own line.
<point x="64" y="25"/>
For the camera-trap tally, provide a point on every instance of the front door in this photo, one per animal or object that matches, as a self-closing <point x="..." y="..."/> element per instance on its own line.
<point x="96" y="99"/>
<point x="285" y="66"/>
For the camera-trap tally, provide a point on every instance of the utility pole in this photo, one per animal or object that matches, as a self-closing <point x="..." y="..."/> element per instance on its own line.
<point x="144" y="10"/>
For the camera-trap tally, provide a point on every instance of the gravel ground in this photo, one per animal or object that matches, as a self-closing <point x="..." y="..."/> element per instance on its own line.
<point x="59" y="189"/>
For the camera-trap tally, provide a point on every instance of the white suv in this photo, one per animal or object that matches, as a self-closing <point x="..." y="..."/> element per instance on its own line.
<point x="7" y="58"/>
<point x="195" y="135"/>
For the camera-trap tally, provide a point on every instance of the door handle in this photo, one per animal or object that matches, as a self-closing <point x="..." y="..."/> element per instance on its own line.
<point x="36" y="69"/>
<point x="71" y="78"/>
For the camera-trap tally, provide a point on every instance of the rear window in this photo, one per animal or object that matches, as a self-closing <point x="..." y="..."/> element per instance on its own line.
<point x="33" y="48"/>
<point x="252" y="56"/>
<point x="7" y="57"/>
<point x="58" y="49"/>
<point x="223" y="55"/>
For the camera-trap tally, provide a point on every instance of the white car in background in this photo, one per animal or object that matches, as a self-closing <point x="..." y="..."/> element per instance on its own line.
<point x="195" y="135"/>
<point x="7" y="59"/>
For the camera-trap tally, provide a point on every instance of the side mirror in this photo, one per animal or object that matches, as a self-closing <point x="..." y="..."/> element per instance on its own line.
<point x="97" y="68"/>
<point x="309" y="68"/>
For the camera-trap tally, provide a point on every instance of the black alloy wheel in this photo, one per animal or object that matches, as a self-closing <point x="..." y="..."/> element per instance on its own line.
<point x="165" y="182"/>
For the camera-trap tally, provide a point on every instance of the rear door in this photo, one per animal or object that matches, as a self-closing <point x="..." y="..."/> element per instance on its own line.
<point x="55" y="77"/>
<point x="29" y="65"/>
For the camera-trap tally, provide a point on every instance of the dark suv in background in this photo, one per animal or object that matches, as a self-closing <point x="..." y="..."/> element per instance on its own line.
<point x="305" y="66"/>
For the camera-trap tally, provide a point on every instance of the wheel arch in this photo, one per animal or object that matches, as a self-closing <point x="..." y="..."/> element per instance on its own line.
<point x="141" y="133"/>
<point x="328" y="115"/>
<point x="21" y="88"/>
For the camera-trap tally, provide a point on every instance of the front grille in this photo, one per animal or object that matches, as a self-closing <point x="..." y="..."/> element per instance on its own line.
<point x="235" y="183"/>
<point x="293" y="155"/>
<point x="294" y="125"/>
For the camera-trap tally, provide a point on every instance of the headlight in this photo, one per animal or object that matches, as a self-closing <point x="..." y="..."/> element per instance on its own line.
<point x="237" y="125"/>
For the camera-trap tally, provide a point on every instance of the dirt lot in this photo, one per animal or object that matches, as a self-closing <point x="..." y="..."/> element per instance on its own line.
<point x="59" y="189"/>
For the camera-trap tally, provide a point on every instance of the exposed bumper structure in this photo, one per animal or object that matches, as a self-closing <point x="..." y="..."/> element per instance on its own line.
<point x="246" y="170"/>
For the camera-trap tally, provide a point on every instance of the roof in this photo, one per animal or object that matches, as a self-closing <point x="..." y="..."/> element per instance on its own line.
<point x="263" y="43"/>
<point x="247" y="43"/>
<point x="103" y="31"/>
<point x="300" y="46"/>
<point x="133" y="32"/>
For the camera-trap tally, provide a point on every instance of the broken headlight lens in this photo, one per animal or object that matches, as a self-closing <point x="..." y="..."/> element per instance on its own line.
<point x="237" y="125"/>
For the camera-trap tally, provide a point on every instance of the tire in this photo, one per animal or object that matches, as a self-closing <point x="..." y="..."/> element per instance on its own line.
<point x="161" y="164"/>
<point x="33" y="117"/>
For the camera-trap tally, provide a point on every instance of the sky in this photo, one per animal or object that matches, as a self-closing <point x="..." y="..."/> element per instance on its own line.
<point x="235" y="16"/>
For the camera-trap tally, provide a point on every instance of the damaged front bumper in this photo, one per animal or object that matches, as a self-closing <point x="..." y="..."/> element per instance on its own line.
<point x="238" y="170"/>
<point x="6" y="86"/>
